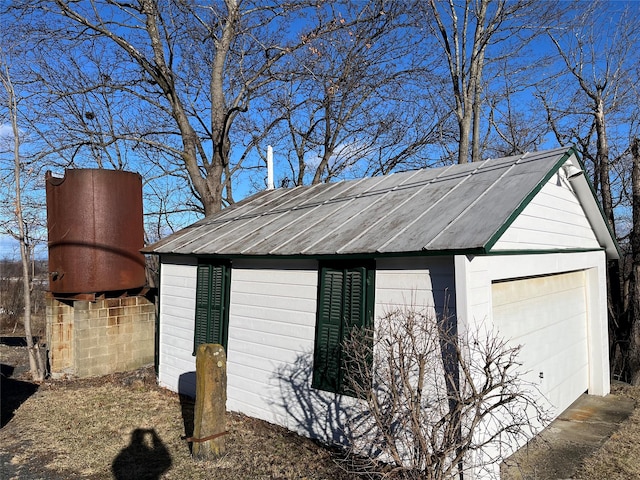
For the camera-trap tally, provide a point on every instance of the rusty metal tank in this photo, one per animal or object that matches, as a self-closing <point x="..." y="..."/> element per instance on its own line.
<point x="94" y="219"/>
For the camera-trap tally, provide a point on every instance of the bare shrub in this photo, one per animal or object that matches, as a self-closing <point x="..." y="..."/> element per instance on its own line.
<point x="436" y="402"/>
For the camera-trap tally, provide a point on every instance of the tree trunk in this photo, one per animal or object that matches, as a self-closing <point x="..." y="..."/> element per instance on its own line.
<point x="633" y="325"/>
<point x="620" y="322"/>
<point x="603" y="163"/>
<point x="36" y="363"/>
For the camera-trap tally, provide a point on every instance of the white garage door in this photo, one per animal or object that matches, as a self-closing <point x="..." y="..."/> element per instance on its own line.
<point x="548" y="317"/>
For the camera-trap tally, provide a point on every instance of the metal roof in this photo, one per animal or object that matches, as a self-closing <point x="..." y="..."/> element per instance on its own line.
<point x="459" y="207"/>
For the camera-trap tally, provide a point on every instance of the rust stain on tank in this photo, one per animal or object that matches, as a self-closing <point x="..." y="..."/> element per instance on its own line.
<point x="95" y="226"/>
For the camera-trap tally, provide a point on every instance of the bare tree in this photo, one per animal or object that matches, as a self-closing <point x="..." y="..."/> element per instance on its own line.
<point x="467" y="31"/>
<point x="594" y="91"/>
<point x="185" y="73"/>
<point x="437" y="401"/>
<point x="632" y="322"/>
<point x="601" y="74"/>
<point x="36" y="360"/>
<point x="515" y="124"/>
<point x="352" y="105"/>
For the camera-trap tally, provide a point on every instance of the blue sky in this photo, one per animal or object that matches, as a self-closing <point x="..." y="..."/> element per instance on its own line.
<point x="249" y="182"/>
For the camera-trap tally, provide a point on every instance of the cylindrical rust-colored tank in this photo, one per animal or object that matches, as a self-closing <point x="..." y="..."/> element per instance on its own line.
<point x="94" y="218"/>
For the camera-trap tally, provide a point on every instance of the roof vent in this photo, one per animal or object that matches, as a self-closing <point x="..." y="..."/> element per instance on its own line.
<point x="570" y="170"/>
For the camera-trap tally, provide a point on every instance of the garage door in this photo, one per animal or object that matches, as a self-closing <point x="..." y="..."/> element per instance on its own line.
<point x="548" y="316"/>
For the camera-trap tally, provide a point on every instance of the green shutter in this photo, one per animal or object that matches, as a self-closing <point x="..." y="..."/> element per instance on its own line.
<point x="212" y="294"/>
<point x="202" y="307"/>
<point x="345" y="301"/>
<point x="354" y="317"/>
<point x="328" y="337"/>
<point x="216" y="305"/>
<point x="354" y="298"/>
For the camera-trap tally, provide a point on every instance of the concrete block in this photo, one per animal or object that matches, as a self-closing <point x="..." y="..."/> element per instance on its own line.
<point x="100" y="322"/>
<point x="97" y="305"/>
<point x="113" y="330"/>
<point x="127" y="329"/>
<point x="80" y="306"/>
<point x="129" y="301"/>
<point x="112" y="302"/>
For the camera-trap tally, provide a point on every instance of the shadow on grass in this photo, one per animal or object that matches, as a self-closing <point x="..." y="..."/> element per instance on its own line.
<point x="13" y="393"/>
<point x="187" y="392"/>
<point x="146" y="457"/>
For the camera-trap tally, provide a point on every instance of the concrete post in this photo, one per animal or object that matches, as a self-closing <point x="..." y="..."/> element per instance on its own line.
<point x="211" y="402"/>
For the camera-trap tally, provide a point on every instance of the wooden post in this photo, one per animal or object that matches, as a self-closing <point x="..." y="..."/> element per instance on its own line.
<point x="211" y="402"/>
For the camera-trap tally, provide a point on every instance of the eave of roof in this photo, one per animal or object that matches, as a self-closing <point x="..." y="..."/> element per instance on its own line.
<point x="455" y="208"/>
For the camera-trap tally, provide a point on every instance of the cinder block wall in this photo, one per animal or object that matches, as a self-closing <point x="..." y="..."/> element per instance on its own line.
<point x="60" y="337"/>
<point x="88" y="339"/>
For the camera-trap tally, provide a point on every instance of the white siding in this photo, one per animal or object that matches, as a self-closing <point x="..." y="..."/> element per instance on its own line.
<point x="554" y="219"/>
<point x="416" y="282"/>
<point x="271" y="335"/>
<point x="177" y="317"/>
<point x="272" y="321"/>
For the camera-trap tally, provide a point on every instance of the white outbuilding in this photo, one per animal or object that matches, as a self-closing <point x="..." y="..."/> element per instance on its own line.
<point x="516" y="243"/>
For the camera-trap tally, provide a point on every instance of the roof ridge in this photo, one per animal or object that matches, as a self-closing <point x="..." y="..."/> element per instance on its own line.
<point x="478" y="198"/>
<point x="432" y="206"/>
<point x="295" y="220"/>
<point x="370" y="227"/>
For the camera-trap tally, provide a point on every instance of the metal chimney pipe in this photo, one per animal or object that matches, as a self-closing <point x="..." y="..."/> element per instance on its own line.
<point x="270" y="167"/>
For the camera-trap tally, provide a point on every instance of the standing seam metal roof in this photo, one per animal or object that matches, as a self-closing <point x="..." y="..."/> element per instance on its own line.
<point x="459" y="207"/>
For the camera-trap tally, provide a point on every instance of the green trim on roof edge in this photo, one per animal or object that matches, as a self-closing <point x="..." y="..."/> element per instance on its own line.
<point x="370" y="256"/>
<point x="525" y="202"/>
<point x="497" y="253"/>
<point x="336" y="256"/>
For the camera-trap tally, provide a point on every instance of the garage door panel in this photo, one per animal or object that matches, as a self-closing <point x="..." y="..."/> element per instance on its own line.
<point x="530" y="319"/>
<point x="548" y="317"/>
<point x="561" y="354"/>
<point x="551" y="339"/>
<point x="537" y="287"/>
<point x="564" y="304"/>
<point x="565" y="390"/>
<point x="553" y="362"/>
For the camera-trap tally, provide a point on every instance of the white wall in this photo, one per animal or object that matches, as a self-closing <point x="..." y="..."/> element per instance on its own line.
<point x="272" y="331"/>
<point x="271" y="337"/>
<point x="474" y="277"/>
<point x="553" y="219"/>
<point x="418" y="282"/>
<point x="177" y="318"/>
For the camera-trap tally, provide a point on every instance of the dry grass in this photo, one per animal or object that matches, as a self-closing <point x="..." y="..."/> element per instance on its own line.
<point x="618" y="458"/>
<point x="79" y="429"/>
<point x="83" y="429"/>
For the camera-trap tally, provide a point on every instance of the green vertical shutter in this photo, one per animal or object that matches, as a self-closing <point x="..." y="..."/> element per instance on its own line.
<point x="327" y="350"/>
<point x="216" y="305"/>
<point x="354" y="298"/>
<point x="211" y="305"/>
<point x="345" y="302"/>
<point x="202" y="306"/>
